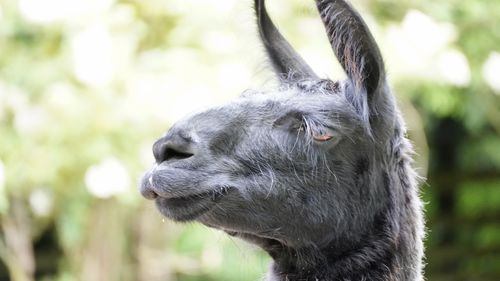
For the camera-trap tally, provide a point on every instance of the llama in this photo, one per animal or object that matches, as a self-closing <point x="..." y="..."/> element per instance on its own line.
<point x="317" y="173"/>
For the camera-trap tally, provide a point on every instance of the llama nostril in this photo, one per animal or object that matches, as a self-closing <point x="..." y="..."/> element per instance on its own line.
<point x="174" y="154"/>
<point x="172" y="148"/>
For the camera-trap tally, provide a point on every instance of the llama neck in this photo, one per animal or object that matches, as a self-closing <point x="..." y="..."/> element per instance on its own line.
<point x="385" y="256"/>
<point x="391" y="251"/>
<point x="381" y="258"/>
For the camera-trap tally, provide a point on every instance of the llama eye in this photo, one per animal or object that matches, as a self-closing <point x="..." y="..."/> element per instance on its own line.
<point x="322" y="134"/>
<point x="322" y="137"/>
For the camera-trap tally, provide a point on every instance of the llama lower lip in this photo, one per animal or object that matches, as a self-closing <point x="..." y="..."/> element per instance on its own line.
<point x="189" y="207"/>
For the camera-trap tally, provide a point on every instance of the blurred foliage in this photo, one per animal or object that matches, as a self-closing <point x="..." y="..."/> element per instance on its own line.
<point x="87" y="86"/>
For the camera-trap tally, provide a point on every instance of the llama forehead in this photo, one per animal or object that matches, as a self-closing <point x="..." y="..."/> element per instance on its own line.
<point x="267" y="106"/>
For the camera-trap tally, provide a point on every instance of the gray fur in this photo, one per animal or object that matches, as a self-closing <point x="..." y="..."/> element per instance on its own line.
<point x="317" y="173"/>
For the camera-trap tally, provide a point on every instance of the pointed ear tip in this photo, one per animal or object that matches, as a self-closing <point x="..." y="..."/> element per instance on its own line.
<point x="352" y="42"/>
<point x="287" y="63"/>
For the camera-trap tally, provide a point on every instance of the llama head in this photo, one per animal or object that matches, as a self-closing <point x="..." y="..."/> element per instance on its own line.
<point x="296" y="165"/>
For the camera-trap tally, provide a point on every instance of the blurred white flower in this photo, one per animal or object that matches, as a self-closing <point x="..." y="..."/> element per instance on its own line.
<point x="425" y="34"/>
<point x="414" y="45"/>
<point x="41" y="202"/>
<point x="454" y="68"/>
<point x="92" y="55"/>
<point x="491" y="71"/>
<point x="107" y="178"/>
<point x="48" y="11"/>
<point x="103" y="52"/>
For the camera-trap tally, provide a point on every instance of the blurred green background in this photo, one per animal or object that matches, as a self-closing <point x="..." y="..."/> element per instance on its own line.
<point x="86" y="86"/>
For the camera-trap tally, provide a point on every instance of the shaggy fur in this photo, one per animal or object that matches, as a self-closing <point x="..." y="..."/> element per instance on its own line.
<point x="317" y="173"/>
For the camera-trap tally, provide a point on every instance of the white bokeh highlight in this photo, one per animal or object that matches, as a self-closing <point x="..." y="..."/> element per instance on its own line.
<point x="41" y="201"/>
<point x="108" y="178"/>
<point x="420" y="47"/>
<point x="92" y="52"/>
<point x="454" y="68"/>
<point x="491" y="71"/>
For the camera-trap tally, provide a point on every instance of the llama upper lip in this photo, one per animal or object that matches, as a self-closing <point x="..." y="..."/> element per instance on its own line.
<point x="168" y="182"/>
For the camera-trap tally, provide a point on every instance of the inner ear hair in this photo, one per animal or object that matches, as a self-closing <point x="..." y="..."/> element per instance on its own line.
<point x="353" y="44"/>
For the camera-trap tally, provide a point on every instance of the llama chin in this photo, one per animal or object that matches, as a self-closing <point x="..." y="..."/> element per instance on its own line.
<point x="317" y="173"/>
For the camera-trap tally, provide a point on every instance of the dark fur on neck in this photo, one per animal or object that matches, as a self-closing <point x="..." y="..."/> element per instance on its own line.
<point x="374" y="258"/>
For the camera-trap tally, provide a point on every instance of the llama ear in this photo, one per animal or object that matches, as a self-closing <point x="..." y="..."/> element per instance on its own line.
<point x="286" y="62"/>
<point x="353" y="45"/>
